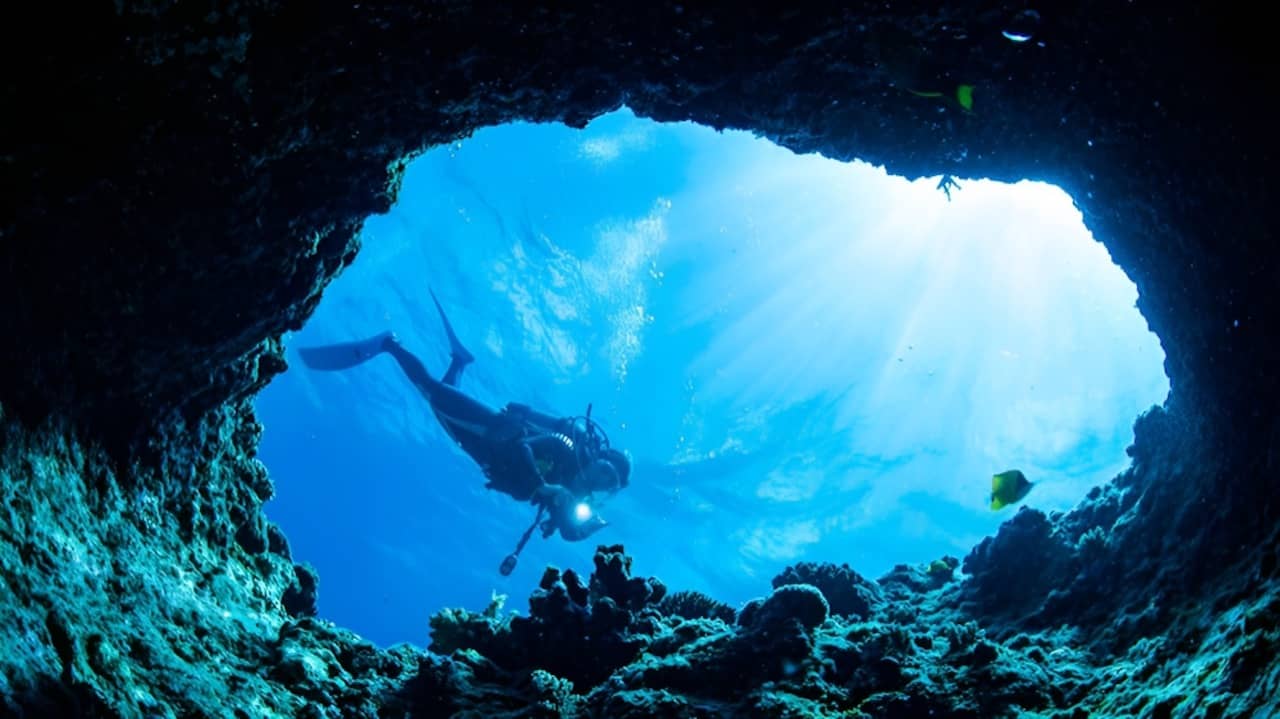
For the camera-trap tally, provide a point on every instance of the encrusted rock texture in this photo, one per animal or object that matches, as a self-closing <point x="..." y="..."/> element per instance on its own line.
<point x="185" y="178"/>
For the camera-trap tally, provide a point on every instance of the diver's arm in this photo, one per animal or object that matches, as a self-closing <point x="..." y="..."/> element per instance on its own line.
<point x="529" y="464"/>
<point x="554" y="448"/>
<point x="553" y="498"/>
<point x="548" y="446"/>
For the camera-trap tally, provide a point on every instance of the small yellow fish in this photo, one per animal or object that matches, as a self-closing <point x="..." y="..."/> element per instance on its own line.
<point x="1008" y="488"/>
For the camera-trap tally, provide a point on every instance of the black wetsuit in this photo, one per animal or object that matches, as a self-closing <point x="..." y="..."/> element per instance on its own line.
<point x="524" y="453"/>
<point x="518" y="448"/>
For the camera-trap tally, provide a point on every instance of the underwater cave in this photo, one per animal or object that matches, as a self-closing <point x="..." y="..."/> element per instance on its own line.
<point x="806" y="360"/>
<point x="187" y="181"/>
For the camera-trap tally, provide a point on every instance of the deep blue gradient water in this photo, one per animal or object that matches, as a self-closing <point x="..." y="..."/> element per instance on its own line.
<point x="806" y="359"/>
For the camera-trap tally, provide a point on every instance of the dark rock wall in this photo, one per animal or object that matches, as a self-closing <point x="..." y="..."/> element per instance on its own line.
<point x="190" y="175"/>
<point x="184" y="178"/>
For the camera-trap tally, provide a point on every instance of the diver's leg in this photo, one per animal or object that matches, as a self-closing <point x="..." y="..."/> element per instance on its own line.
<point x="343" y="355"/>
<point x="450" y="404"/>
<point x="468" y="421"/>
<point x="459" y="357"/>
<point x="454" y="371"/>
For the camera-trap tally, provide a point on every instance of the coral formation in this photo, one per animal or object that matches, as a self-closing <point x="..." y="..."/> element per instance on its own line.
<point x="915" y="655"/>
<point x="185" y="179"/>
<point x="696" y="605"/>
<point x="847" y="593"/>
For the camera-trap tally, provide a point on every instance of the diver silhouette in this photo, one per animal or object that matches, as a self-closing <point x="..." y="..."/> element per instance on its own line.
<point x="556" y="463"/>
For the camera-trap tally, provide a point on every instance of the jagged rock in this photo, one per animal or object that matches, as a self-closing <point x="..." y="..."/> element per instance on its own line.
<point x="252" y="535"/>
<point x="277" y="543"/>
<point x="982" y="654"/>
<point x="299" y="599"/>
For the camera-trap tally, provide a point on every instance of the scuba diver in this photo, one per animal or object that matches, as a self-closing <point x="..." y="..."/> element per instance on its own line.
<point x="558" y="464"/>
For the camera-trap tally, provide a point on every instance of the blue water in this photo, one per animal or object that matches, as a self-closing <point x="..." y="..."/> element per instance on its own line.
<point x="807" y="360"/>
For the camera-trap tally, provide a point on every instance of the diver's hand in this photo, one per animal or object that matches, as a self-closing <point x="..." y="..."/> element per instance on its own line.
<point x="578" y="531"/>
<point x="549" y="496"/>
<point x="541" y="496"/>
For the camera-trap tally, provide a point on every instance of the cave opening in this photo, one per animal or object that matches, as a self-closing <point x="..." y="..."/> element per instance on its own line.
<point x="806" y="359"/>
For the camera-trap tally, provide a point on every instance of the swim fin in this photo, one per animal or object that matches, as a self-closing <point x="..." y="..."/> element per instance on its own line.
<point x="344" y="355"/>
<point x="457" y="352"/>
